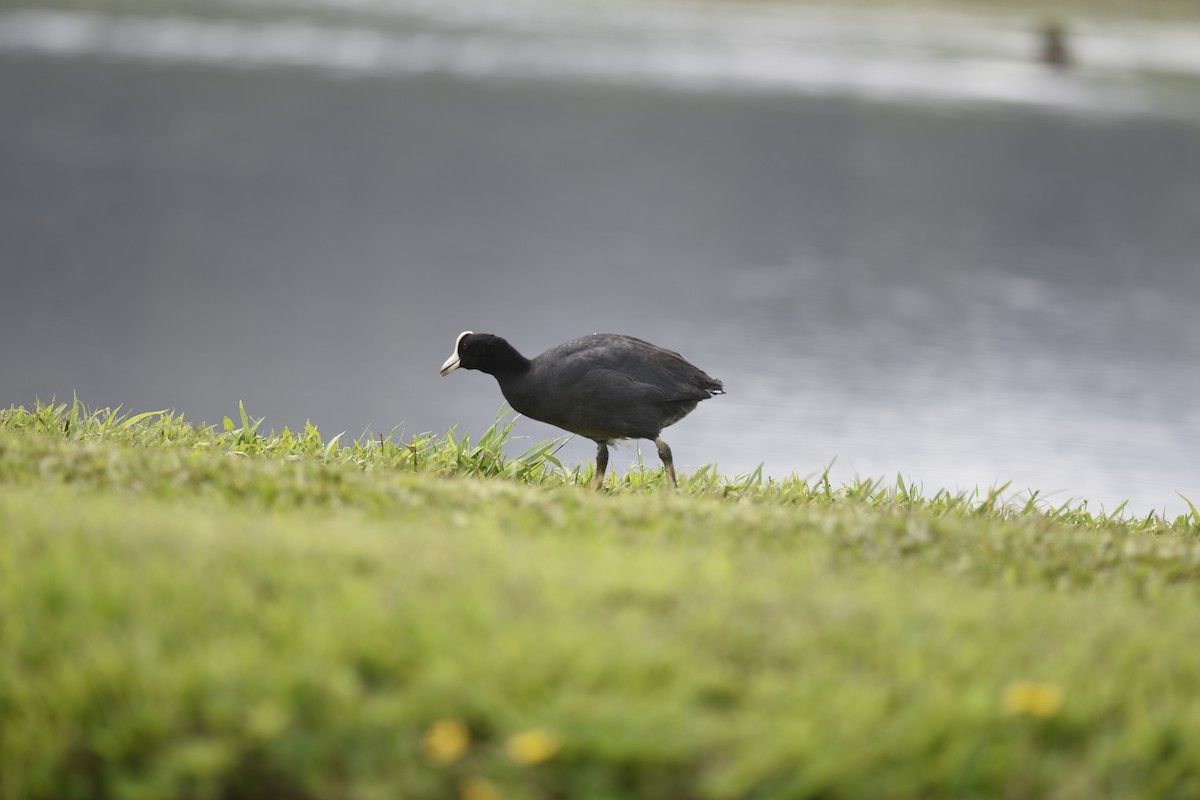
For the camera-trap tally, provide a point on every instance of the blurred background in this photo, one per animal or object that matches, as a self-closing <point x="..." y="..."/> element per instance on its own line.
<point x="956" y="240"/>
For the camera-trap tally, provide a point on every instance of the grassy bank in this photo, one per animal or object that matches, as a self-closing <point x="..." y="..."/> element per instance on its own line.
<point x="1071" y="9"/>
<point x="224" y="612"/>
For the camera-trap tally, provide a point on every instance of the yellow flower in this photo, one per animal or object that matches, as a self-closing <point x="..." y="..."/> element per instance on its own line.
<point x="1027" y="698"/>
<point x="532" y="747"/>
<point x="478" y="789"/>
<point x="446" y="741"/>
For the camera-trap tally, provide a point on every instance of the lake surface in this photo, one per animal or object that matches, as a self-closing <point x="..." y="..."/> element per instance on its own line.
<point x="968" y="287"/>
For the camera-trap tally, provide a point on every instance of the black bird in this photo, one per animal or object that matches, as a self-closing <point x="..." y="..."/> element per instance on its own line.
<point x="604" y="387"/>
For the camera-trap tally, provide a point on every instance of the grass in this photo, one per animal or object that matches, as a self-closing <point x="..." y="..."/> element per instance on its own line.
<point x="224" y="612"/>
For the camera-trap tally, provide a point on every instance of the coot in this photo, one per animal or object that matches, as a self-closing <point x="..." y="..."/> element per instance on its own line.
<point x="605" y="387"/>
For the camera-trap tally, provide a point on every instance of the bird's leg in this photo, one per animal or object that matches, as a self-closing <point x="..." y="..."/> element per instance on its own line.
<point x="601" y="463"/>
<point x="664" y="452"/>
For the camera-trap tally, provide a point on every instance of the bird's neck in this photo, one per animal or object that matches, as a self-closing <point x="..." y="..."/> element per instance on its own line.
<point x="505" y="362"/>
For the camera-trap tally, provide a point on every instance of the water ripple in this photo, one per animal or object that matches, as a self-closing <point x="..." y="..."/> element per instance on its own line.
<point x="680" y="48"/>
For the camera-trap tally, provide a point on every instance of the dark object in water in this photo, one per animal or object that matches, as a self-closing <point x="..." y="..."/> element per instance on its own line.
<point x="1053" y="43"/>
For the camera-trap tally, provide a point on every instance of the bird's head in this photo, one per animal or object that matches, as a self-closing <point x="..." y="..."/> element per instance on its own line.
<point x="462" y="355"/>
<point x="484" y="352"/>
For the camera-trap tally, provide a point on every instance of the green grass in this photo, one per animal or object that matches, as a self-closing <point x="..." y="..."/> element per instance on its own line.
<point x="225" y="612"/>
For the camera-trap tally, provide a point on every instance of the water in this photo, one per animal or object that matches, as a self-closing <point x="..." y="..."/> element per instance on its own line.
<point x="899" y="54"/>
<point x="968" y="287"/>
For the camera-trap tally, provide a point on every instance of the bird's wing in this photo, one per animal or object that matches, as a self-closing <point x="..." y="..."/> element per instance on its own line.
<point x="644" y="386"/>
